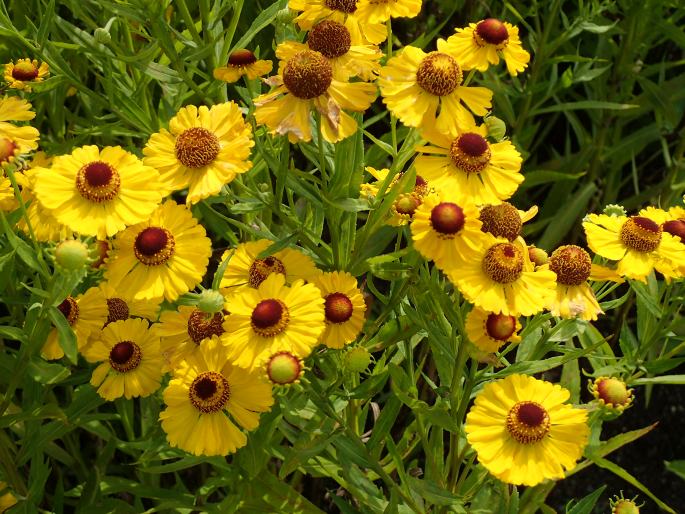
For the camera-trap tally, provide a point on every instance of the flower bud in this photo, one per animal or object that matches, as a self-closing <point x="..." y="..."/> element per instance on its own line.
<point x="497" y="129"/>
<point x="102" y="36"/>
<point x="210" y="301"/>
<point x="357" y="359"/>
<point x="284" y="368"/>
<point x="614" y="210"/>
<point x="612" y="394"/>
<point x="537" y="255"/>
<point x="71" y="255"/>
<point x="621" y="505"/>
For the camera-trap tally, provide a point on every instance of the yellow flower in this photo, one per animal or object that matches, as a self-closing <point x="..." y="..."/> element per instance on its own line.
<point x="638" y="243"/>
<point x="465" y="162"/>
<point x="341" y="11"/>
<point x="405" y="204"/>
<point x="182" y="332"/>
<point x="24" y="72"/>
<point x="85" y="314"/>
<point x="7" y="499"/>
<point x="245" y="270"/>
<point x="273" y="318"/>
<point x="7" y="200"/>
<point x="416" y="86"/>
<point x="203" y="150"/>
<point x="524" y="432"/>
<point x="501" y="278"/>
<point x="444" y="231"/>
<point x="306" y="82"/>
<point x="480" y="44"/>
<point x="489" y="331"/>
<point x="164" y="256"/>
<point x="98" y="193"/>
<point x="347" y="57"/>
<point x="207" y="397"/>
<point x="242" y="62"/>
<point x="370" y="189"/>
<point x="344" y="308"/>
<point x="15" y="140"/>
<point x="379" y="11"/>
<point x="671" y="221"/>
<point x="505" y="220"/>
<point x="131" y="361"/>
<point x="574" y="296"/>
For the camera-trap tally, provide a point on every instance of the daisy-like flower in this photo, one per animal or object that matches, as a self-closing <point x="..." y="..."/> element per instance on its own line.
<point x="246" y="270"/>
<point x="85" y="314"/>
<point x="16" y="140"/>
<point x="379" y="11"/>
<point x="306" y="81"/>
<point x="489" y="331"/>
<point x="467" y="163"/>
<point x="638" y="243"/>
<point x="612" y="394"/>
<point x="405" y="204"/>
<point x="183" y="331"/>
<point x="574" y="296"/>
<point x="164" y="256"/>
<point x="341" y="11"/>
<point x="505" y="220"/>
<point x="242" y="62"/>
<point x="501" y="278"/>
<point x="524" y="432"/>
<point x="282" y="369"/>
<point x="24" y="72"/>
<point x="273" y="318"/>
<point x="98" y="193"/>
<point x="131" y="363"/>
<point x="425" y="90"/>
<point x="204" y="149"/>
<point x="344" y="308"/>
<point x="207" y="398"/>
<point x="444" y="231"/>
<point x="480" y="44"/>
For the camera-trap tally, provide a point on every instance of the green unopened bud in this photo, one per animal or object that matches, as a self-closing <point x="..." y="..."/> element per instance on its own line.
<point x="621" y="505"/>
<point x="357" y="359"/>
<point x="497" y="129"/>
<point x="537" y="255"/>
<point x="285" y="16"/>
<point x="614" y="210"/>
<point x="72" y="255"/>
<point x="284" y="368"/>
<point x="612" y="394"/>
<point x="102" y="36"/>
<point x="210" y="301"/>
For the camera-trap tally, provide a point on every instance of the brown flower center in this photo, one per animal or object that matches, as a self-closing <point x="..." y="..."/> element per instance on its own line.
<point x="346" y="6"/>
<point x="7" y="149"/>
<point x="338" y="308"/>
<point x="470" y="152"/>
<point x="24" y="71"/>
<point x="502" y="220"/>
<point x="98" y="182"/>
<point x="491" y="31"/>
<point x="330" y="38"/>
<point x="154" y="246"/>
<point x="117" y="310"/>
<point x="572" y="265"/>
<point x="197" y="147"/>
<point x="439" y="74"/>
<point x="503" y="263"/>
<point x="447" y="218"/>
<point x="406" y="204"/>
<point x="500" y="326"/>
<point x="675" y="228"/>
<point x="528" y="422"/>
<point x="262" y="268"/>
<point x="270" y="317"/>
<point x="202" y="325"/>
<point x="307" y="74"/>
<point x="641" y="234"/>
<point x="69" y="308"/>
<point x="209" y="392"/>
<point x="242" y="57"/>
<point x="125" y="356"/>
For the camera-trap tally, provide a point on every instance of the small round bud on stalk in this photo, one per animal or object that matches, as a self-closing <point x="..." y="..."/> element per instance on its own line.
<point x="497" y="129"/>
<point x="210" y="301"/>
<point x="284" y="369"/>
<point x="102" y="36"/>
<point x="357" y="359"/>
<point x="612" y="394"/>
<point x="614" y="210"/>
<point x="621" y="505"/>
<point x="537" y="255"/>
<point x="72" y="255"/>
<point x="285" y="16"/>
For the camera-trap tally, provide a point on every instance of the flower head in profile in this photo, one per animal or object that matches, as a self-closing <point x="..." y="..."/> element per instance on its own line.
<point x="489" y="331"/>
<point x="242" y="62"/>
<point x="16" y="140"/>
<point x="209" y="400"/>
<point x="164" y="256"/>
<point x="465" y="162"/>
<point x="524" y="432"/>
<point x="380" y="11"/>
<point x="481" y="44"/>
<point x="203" y="150"/>
<point x="25" y="72"/>
<point x="98" y="192"/>
<point x="426" y="90"/>
<point x="306" y="82"/>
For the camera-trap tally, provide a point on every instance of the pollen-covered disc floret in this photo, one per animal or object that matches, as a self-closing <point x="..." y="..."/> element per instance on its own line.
<point x="69" y="308"/>
<point x="502" y="220"/>
<point x="209" y="392"/>
<point x="470" y="152"/>
<point x="330" y="38"/>
<point x="262" y="268"/>
<point x="202" y="325"/>
<point x="439" y="74"/>
<point x="98" y="182"/>
<point x="154" y="246"/>
<point x="447" y="219"/>
<point x="284" y="368"/>
<point x="197" y="147"/>
<point x="270" y="317"/>
<point x="572" y="265"/>
<point x="503" y="263"/>
<point x="528" y="422"/>
<point x="307" y="74"/>
<point x="491" y="31"/>
<point x="117" y="310"/>
<point x="612" y="394"/>
<point x="338" y="308"/>
<point x="125" y="356"/>
<point x="345" y="6"/>
<point x="641" y="234"/>
<point x="500" y="326"/>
